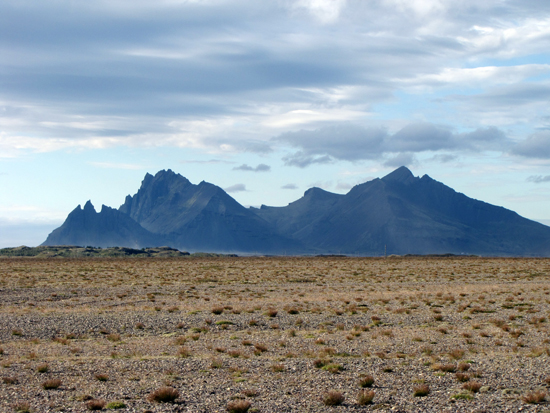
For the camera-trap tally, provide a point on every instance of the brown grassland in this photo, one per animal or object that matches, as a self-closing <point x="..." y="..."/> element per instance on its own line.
<point x="274" y="334"/>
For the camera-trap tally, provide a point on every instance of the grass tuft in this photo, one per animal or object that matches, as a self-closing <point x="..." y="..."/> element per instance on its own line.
<point x="238" y="406"/>
<point x="51" y="384"/>
<point x="333" y="398"/>
<point x="534" y="397"/>
<point x="95" y="404"/>
<point x="421" y="390"/>
<point x="164" y="395"/>
<point x="366" y="381"/>
<point x="365" y="397"/>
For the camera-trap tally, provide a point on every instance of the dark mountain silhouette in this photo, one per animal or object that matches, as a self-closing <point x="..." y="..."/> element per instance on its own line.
<point x="411" y="215"/>
<point x="108" y="228"/>
<point x="169" y="210"/>
<point x="201" y="217"/>
<point x="400" y="213"/>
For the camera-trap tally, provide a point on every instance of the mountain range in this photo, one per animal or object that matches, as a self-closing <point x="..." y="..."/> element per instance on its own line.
<point x="396" y="214"/>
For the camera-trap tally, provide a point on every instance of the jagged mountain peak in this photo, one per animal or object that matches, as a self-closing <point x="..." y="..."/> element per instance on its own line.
<point x="401" y="174"/>
<point x="88" y="207"/>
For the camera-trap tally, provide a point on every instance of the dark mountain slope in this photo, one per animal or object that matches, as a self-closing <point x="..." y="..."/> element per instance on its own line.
<point x="406" y="214"/>
<point x="108" y="228"/>
<point x="299" y="214"/>
<point x="201" y="217"/>
<point x="417" y="216"/>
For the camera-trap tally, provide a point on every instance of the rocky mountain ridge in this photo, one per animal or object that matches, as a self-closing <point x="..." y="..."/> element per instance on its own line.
<point x="396" y="214"/>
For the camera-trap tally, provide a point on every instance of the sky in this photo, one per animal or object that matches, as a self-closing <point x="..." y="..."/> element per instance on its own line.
<point x="269" y="98"/>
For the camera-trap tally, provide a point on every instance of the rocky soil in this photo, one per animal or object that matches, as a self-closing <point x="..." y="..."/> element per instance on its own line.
<point x="279" y="333"/>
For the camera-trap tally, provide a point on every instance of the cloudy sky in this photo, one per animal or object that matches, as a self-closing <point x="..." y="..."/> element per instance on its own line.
<point x="269" y="98"/>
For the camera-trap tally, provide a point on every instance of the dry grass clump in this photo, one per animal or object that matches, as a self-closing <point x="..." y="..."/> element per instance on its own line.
<point x="95" y="404"/>
<point x="278" y="368"/>
<point x="217" y="310"/>
<point x="113" y="337"/>
<point x="462" y="377"/>
<point x="9" y="380"/>
<point x="421" y="390"/>
<point x="101" y="377"/>
<point x="271" y="312"/>
<point x="180" y="340"/>
<point x="234" y="353"/>
<point x="184" y="352"/>
<point x="463" y="366"/>
<point x="51" y="384"/>
<point x="216" y="363"/>
<point x="447" y="368"/>
<point x="260" y="347"/>
<point x="365" y="397"/>
<point x="534" y="397"/>
<point x="472" y="386"/>
<point x="457" y="354"/>
<point x="250" y="392"/>
<point x="238" y="406"/>
<point x="164" y="394"/>
<point x="42" y="368"/>
<point x="333" y="398"/>
<point x="366" y="381"/>
<point x="22" y="407"/>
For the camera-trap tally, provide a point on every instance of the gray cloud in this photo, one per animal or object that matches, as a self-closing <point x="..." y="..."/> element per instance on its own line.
<point x="235" y="188"/>
<point x="137" y="69"/>
<point x="418" y="137"/>
<point x="209" y="162"/>
<point x="535" y="146"/>
<point x="352" y="143"/>
<point x="443" y="158"/>
<point x="538" y="179"/>
<point x="401" y="159"/>
<point x="289" y="186"/>
<point x="302" y="160"/>
<point x="343" y="142"/>
<point x="260" y="168"/>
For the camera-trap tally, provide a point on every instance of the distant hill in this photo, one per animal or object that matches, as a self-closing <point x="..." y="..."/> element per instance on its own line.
<point x="397" y="214"/>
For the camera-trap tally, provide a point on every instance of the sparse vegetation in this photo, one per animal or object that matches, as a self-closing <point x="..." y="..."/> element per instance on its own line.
<point x="95" y="404"/>
<point x="534" y="397"/>
<point x="359" y="318"/>
<point x="23" y="407"/>
<point x="42" y="368"/>
<point x="421" y="390"/>
<point x="365" y="397"/>
<point x="164" y="394"/>
<point x="51" y="384"/>
<point x="238" y="406"/>
<point x="366" y="381"/>
<point x="333" y="398"/>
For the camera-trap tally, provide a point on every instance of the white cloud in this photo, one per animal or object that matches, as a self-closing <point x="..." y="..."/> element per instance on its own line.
<point x="326" y="11"/>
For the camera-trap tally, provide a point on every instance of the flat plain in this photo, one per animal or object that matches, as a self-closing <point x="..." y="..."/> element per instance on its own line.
<point x="275" y="334"/>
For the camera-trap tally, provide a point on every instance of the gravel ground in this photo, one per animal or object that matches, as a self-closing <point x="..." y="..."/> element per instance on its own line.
<point x="277" y="332"/>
